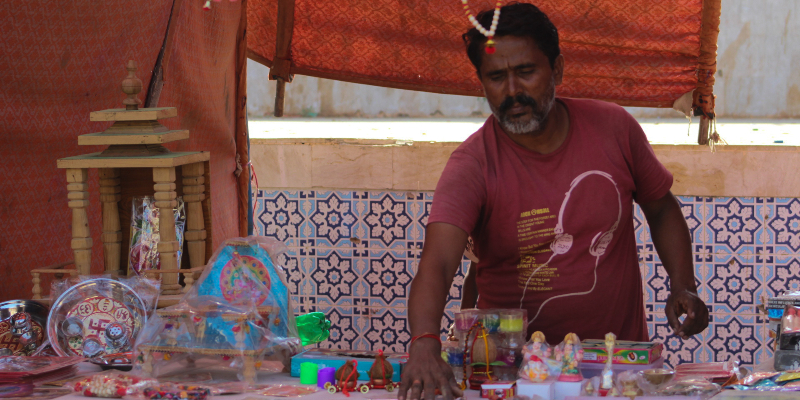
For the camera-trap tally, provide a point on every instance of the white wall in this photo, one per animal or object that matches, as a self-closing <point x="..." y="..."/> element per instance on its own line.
<point x="758" y="76"/>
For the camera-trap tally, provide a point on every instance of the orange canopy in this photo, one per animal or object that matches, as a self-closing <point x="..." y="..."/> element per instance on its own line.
<point x="631" y="52"/>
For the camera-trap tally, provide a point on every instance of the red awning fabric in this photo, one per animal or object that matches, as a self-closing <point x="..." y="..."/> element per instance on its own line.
<point x="631" y="52"/>
<point x="62" y="60"/>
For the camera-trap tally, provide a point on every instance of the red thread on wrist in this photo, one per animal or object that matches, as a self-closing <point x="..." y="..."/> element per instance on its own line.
<point x="424" y="335"/>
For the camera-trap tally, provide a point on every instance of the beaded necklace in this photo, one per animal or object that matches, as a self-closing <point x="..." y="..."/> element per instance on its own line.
<point x="488" y="33"/>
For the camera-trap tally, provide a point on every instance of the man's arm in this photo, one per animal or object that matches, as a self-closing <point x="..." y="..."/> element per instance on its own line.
<point x="425" y="370"/>
<point x="469" y="291"/>
<point x="674" y="246"/>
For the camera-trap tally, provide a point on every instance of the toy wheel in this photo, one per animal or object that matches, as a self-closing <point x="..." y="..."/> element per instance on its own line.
<point x="364" y="389"/>
<point x="390" y="387"/>
<point x="331" y="388"/>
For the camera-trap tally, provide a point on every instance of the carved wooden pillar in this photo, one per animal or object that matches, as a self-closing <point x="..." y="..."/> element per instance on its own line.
<point x="168" y="243"/>
<point x="78" y="201"/>
<point x="112" y="233"/>
<point x="193" y="196"/>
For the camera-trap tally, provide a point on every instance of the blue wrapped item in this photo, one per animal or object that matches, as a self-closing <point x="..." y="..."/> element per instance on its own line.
<point x="237" y="314"/>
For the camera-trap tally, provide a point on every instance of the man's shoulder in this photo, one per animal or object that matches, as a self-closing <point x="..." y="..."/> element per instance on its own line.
<point x="475" y="144"/>
<point x="589" y="108"/>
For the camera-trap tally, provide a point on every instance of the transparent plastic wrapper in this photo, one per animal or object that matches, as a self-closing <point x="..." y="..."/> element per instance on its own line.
<point x="590" y="387"/>
<point x="143" y="253"/>
<point x="537" y="359"/>
<point x="629" y="384"/>
<point x="98" y="316"/>
<point x="108" y="384"/>
<point x="313" y="328"/>
<point x="700" y="387"/>
<point x="570" y="354"/>
<point x="235" y="316"/>
<point x="153" y="390"/>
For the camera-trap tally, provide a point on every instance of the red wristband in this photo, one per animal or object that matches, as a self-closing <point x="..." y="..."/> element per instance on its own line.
<point x="424" y="335"/>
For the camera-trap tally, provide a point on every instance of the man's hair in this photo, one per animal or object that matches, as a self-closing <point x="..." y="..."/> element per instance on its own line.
<point x="516" y="19"/>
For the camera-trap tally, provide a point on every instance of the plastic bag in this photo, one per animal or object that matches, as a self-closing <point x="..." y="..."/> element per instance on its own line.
<point x="107" y="384"/>
<point x="313" y="328"/>
<point x="143" y="253"/>
<point x="236" y="315"/>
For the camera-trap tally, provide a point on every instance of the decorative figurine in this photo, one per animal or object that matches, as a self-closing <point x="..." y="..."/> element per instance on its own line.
<point x="570" y="353"/>
<point x="380" y="374"/>
<point x="536" y="346"/>
<point x="608" y="370"/>
<point x="535" y="370"/>
<point x="347" y="379"/>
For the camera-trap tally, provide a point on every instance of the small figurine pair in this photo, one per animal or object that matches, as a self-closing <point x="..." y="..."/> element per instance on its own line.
<point x="537" y="353"/>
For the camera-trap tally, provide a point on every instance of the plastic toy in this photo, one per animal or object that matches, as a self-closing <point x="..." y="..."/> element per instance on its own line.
<point x="570" y="354"/>
<point x="380" y="374"/>
<point x="347" y="379"/>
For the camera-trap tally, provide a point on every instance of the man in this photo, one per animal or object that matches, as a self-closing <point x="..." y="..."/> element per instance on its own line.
<point x="545" y="189"/>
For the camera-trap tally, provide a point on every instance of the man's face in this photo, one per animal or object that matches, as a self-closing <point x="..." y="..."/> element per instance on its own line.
<point x="519" y="83"/>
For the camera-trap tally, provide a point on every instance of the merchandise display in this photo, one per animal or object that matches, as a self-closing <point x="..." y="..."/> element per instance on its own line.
<point x="625" y="352"/>
<point x="332" y="358"/>
<point x="238" y="313"/>
<point x="22" y="326"/>
<point x="490" y="344"/>
<point x="108" y="385"/>
<point x="96" y="317"/>
<point x="145" y="236"/>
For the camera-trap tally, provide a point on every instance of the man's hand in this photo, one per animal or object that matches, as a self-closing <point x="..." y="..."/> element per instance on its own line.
<point x="686" y="302"/>
<point x="425" y="372"/>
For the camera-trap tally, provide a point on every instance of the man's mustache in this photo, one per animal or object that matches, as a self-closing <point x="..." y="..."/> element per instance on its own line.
<point x="521" y="98"/>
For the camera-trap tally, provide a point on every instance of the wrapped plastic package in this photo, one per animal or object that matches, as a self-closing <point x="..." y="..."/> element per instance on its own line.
<point x="143" y="253"/>
<point x="313" y="328"/>
<point x="235" y="316"/>
<point x="96" y="316"/>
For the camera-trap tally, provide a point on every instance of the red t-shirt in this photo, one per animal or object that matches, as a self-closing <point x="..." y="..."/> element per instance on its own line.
<point x="516" y="203"/>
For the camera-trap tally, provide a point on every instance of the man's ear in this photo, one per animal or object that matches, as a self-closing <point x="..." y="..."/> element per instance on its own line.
<point x="558" y="69"/>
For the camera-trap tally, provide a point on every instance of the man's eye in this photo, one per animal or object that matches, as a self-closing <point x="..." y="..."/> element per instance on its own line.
<point x="526" y="71"/>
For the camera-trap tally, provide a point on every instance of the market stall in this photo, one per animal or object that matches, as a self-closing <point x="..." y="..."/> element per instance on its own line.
<point x="229" y="327"/>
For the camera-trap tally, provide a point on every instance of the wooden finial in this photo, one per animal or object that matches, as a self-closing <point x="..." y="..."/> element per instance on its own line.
<point x="131" y="86"/>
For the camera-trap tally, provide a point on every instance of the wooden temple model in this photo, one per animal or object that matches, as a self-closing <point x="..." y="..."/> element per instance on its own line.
<point x="136" y="163"/>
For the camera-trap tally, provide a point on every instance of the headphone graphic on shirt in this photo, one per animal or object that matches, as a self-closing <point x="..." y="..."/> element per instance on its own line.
<point x="562" y="243"/>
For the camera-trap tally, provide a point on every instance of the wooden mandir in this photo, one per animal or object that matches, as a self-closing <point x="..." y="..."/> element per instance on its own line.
<point x="135" y="145"/>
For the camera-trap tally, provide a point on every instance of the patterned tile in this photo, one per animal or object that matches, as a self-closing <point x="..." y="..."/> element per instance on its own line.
<point x="734" y="336"/>
<point x="387" y="218"/>
<point x="332" y="216"/>
<point x="783" y="224"/>
<point x="388" y="330"/>
<point x="334" y="275"/>
<point x="734" y="284"/>
<point x="344" y="332"/>
<point x="733" y="222"/>
<point x="388" y="276"/>
<point x="280" y="216"/>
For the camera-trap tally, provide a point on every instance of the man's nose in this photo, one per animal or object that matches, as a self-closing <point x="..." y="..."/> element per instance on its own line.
<point x="513" y="87"/>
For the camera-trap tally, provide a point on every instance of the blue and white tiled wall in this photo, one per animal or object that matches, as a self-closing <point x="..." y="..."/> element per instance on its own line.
<point x="352" y="255"/>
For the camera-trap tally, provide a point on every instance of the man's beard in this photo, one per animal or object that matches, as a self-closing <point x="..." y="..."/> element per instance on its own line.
<point x="538" y="115"/>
